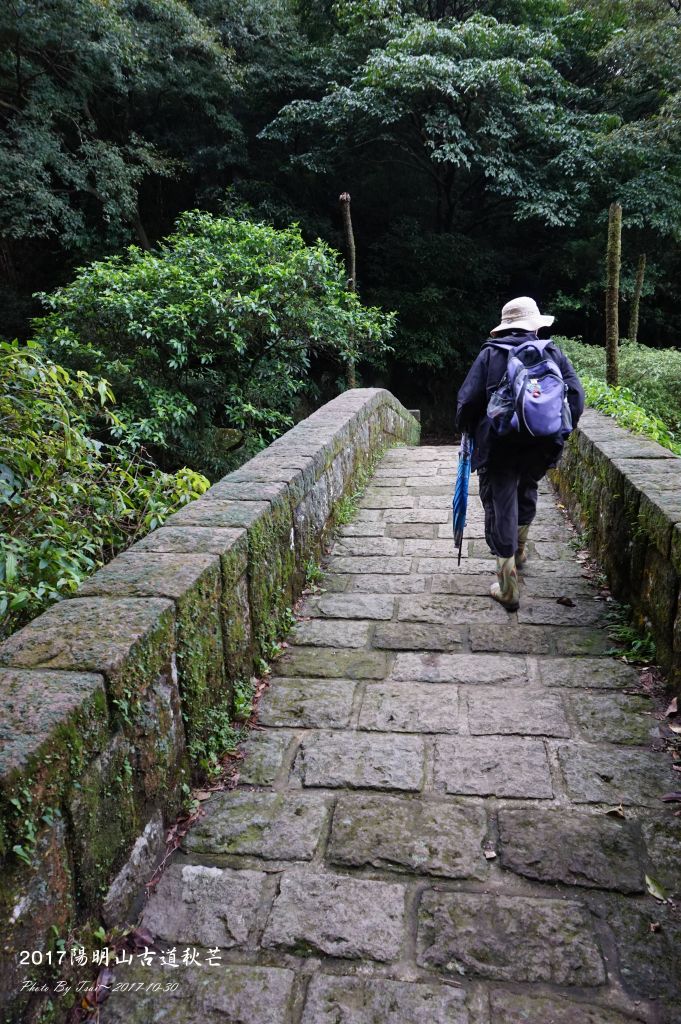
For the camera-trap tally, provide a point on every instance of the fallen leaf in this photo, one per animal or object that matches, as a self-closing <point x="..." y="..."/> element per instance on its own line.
<point x="655" y="926"/>
<point x="675" y="727"/>
<point x="102" y="990"/>
<point x="655" y="889"/>
<point x="202" y="794"/>
<point x="672" y="709"/>
<point x="567" y="601"/>
<point x="670" y="798"/>
<point x="616" y="812"/>
<point x="141" y="938"/>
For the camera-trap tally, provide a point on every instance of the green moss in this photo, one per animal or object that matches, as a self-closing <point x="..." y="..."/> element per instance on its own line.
<point x="105" y="815"/>
<point x="272" y="567"/>
<point x="200" y="660"/>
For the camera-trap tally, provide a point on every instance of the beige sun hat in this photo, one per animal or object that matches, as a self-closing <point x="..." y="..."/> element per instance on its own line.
<point x="523" y="314"/>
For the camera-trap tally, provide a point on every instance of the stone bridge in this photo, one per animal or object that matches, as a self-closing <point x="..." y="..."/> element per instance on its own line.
<point x="447" y="814"/>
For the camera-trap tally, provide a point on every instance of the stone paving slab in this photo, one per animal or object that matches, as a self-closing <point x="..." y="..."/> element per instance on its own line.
<point x="550" y="613"/>
<point x="517" y="1008"/>
<point x="472" y="585"/>
<point x="337" y="916"/>
<point x="275" y="826"/>
<point x="264" y="753"/>
<point x="448" y="609"/>
<point x="355" y="606"/>
<point x="332" y="663"/>
<point x="307" y="703"/>
<point x="370" y="583"/>
<point x="648" y="958"/>
<point x="331" y="633"/>
<point x="410" y="707"/>
<point x="417" y="515"/>
<point x="450" y="566"/>
<point x="599" y="673"/>
<point x="205" y="906"/>
<point x="510" y="712"/>
<point x="572" y="848"/>
<point x="512" y="639"/>
<point x="614" y="717"/>
<point x="581" y="642"/>
<point x="594" y="775"/>
<point x="367" y="564"/>
<point x="503" y="767"/>
<point x="361" y="547"/>
<point x="418" y="636"/>
<point x="235" y="993"/>
<point x="361" y="761"/>
<point x="431" y="838"/>
<point x="412" y="531"/>
<point x="460" y="668"/>
<point x="509" y="939"/>
<point x="343" y="1000"/>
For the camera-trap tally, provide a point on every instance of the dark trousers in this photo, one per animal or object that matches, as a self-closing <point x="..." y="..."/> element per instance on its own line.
<point x="509" y="497"/>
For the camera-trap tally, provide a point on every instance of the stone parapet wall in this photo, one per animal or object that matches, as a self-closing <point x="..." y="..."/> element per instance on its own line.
<point x="109" y="698"/>
<point x="627" y="491"/>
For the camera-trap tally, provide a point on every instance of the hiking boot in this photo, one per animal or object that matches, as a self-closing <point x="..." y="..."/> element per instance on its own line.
<point x="506" y="591"/>
<point x="521" y="553"/>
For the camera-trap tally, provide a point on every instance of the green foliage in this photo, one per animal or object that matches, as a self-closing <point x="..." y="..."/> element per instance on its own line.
<point x="68" y="502"/>
<point x="633" y="643"/>
<point x="314" y="574"/>
<point x="208" y="340"/>
<point x="244" y="691"/>
<point x="469" y="103"/>
<point x="221" y="736"/>
<point x="91" y="93"/>
<point x="652" y="375"/>
<point x="619" y="403"/>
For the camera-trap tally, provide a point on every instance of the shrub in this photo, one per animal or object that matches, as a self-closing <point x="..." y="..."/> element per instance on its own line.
<point x="68" y="502"/>
<point x="207" y="340"/>
<point x="619" y="403"/>
<point x="651" y="375"/>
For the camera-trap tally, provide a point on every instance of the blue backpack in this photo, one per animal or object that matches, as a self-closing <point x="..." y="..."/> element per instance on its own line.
<point x="532" y="395"/>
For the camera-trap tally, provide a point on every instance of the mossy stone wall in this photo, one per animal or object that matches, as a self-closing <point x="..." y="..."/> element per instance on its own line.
<point x="626" y="490"/>
<point x="104" y="696"/>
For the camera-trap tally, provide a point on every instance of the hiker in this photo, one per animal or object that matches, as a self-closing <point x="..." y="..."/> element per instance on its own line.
<point x="509" y="458"/>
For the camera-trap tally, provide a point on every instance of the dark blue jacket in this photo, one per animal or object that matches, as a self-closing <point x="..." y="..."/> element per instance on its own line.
<point x="484" y="376"/>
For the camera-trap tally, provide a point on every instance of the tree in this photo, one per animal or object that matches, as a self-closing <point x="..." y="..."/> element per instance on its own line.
<point x="476" y="108"/>
<point x="94" y="99"/>
<point x="208" y="340"/>
<point x="612" y="294"/>
<point x="636" y="298"/>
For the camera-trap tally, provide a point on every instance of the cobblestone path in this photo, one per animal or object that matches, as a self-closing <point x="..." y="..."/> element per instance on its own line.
<point x="450" y="811"/>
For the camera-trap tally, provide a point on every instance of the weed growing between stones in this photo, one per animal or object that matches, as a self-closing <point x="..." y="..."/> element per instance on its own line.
<point x="634" y="644"/>
<point x="346" y="508"/>
<point x="244" y="691"/>
<point x="314" y="574"/>
<point x="220" y="736"/>
<point x="269" y="638"/>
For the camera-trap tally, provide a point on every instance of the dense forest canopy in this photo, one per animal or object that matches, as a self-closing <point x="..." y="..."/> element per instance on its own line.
<point x="481" y="143"/>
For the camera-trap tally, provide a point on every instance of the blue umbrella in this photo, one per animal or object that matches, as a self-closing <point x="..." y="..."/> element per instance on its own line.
<point x="460" y="499"/>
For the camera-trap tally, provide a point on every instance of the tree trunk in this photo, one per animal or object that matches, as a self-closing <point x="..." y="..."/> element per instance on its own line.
<point x="636" y="298"/>
<point x="351" y="270"/>
<point x="612" y="293"/>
